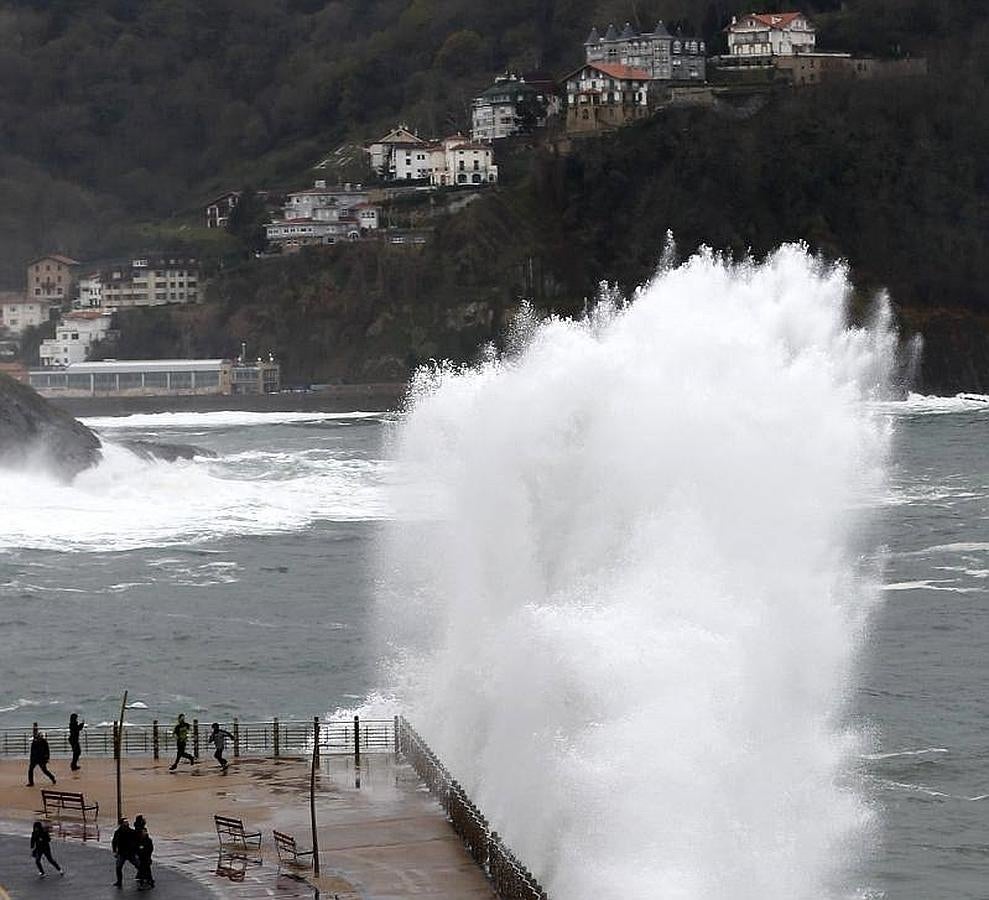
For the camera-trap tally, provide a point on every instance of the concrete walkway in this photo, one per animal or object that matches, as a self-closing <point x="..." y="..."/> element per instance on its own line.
<point x="89" y="873"/>
<point x="381" y="835"/>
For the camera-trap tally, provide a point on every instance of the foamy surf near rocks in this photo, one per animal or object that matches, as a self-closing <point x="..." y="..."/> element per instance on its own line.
<point x="36" y="434"/>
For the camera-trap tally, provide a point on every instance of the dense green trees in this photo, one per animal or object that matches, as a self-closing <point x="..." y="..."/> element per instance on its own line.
<point x="114" y="110"/>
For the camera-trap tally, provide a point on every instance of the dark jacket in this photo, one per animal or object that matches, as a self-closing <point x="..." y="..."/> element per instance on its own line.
<point x="40" y="751"/>
<point x="41" y="840"/>
<point x="145" y="847"/>
<point x="124" y="841"/>
<point x="75" y="729"/>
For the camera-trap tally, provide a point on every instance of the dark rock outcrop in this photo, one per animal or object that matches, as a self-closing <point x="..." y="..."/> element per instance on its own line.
<point x="166" y="452"/>
<point x="33" y="432"/>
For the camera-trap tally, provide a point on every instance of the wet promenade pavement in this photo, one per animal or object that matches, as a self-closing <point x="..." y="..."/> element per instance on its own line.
<point x="381" y="835"/>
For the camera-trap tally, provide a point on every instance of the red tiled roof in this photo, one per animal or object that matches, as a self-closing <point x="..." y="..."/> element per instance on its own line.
<point x="778" y="21"/>
<point x="616" y="70"/>
<point x="84" y="314"/>
<point x="469" y="146"/>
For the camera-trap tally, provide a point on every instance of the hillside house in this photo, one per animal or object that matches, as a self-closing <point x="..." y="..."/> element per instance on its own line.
<point x="217" y="211"/>
<point x="457" y="161"/>
<point x="90" y="291"/>
<point x="769" y="35"/>
<point x="661" y="55"/>
<point x="399" y="156"/>
<point x="19" y="312"/>
<point x="150" y="281"/>
<point x="303" y="204"/>
<point x="52" y="278"/>
<point x="604" y="96"/>
<point x="323" y="215"/>
<point x="511" y="106"/>
<point x="74" y="336"/>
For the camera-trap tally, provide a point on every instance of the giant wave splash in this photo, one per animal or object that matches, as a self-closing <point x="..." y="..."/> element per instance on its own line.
<point x="630" y="622"/>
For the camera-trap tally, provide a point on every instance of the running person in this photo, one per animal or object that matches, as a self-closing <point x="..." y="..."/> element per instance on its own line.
<point x="218" y="737"/>
<point x="181" y="732"/>
<point x="41" y="846"/>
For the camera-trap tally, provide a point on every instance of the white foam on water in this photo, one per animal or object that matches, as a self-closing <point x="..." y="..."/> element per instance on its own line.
<point x="127" y="502"/>
<point x="895" y="754"/>
<point x="631" y="627"/>
<point x="218" y="419"/>
<point x="929" y="404"/>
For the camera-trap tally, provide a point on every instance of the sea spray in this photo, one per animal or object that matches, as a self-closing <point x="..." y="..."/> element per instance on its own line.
<point x="623" y="595"/>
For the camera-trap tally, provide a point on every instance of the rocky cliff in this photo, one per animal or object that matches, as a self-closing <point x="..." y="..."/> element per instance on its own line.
<point x="35" y="433"/>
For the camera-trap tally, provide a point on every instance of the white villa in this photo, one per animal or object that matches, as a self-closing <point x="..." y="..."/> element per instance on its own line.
<point x="770" y="35"/>
<point x="454" y="160"/>
<point x="74" y="336"/>
<point x="323" y="215"/>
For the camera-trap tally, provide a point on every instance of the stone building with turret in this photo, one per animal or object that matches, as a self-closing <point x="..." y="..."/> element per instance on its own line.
<point x="663" y="56"/>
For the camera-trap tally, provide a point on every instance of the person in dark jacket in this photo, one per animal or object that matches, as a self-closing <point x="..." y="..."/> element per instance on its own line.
<point x="181" y="732"/>
<point x="124" y="846"/>
<point x="218" y="738"/>
<point x="144" y="848"/>
<point x="40" y="754"/>
<point x="41" y="846"/>
<point x="76" y="726"/>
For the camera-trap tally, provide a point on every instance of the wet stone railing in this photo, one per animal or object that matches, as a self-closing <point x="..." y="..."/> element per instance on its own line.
<point x="510" y="879"/>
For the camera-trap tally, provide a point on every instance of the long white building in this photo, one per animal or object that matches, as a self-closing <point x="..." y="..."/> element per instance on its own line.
<point x="157" y="377"/>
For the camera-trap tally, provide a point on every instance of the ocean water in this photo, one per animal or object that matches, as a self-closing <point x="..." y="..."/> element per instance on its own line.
<point x="829" y="747"/>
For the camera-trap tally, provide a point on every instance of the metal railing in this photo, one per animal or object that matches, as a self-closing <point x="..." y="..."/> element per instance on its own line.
<point x="510" y="879"/>
<point x="287" y="737"/>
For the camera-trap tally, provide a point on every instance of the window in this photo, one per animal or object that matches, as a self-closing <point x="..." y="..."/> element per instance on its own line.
<point x="155" y="379"/>
<point x="181" y="379"/>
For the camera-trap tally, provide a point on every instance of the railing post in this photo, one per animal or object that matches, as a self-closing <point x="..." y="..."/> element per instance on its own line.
<point x="154" y="739"/>
<point x="195" y="738"/>
<point x="357" y="740"/>
<point x="236" y="737"/>
<point x="315" y="738"/>
<point x="274" y="740"/>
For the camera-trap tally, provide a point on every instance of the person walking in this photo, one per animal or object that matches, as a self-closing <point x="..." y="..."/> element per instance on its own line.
<point x="41" y="846"/>
<point x="40" y="753"/>
<point x="218" y="738"/>
<point x="144" y="848"/>
<point x="76" y="726"/>
<point x="123" y="845"/>
<point x="181" y="732"/>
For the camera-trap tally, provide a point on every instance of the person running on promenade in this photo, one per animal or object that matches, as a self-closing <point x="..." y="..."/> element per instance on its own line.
<point x="39" y="755"/>
<point x="181" y="732"/>
<point x="76" y="726"/>
<point x="41" y="846"/>
<point x="145" y="848"/>
<point x="218" y="737"/>
<point x="124" y="845"/>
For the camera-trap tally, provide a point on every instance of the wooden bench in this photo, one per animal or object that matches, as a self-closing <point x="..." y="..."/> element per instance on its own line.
<point x="289" y="853"/>
<point x="230" y="833"/>
<point x="59" y="803"/>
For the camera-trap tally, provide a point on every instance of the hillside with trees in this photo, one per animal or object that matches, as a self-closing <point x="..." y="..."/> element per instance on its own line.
<point x="119" y="117"/>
